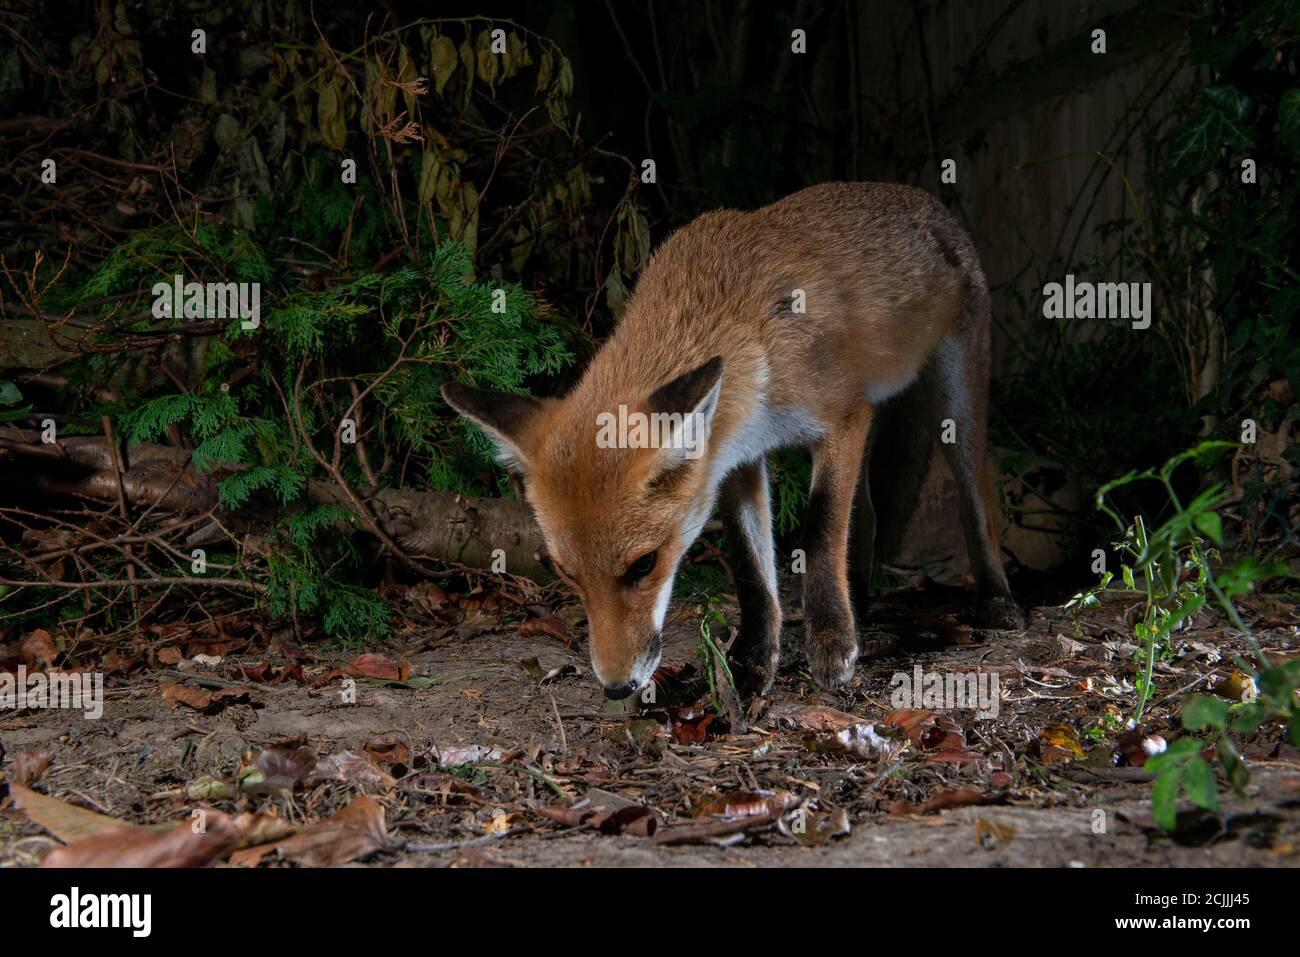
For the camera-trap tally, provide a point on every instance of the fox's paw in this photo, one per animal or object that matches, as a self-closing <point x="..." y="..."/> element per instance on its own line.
<point x="832" y="656"/>
<point x="755" y="672"/>
<point x="1000" y="613"/>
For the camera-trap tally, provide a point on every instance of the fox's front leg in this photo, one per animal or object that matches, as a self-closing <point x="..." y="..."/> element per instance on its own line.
<point x="746" y="510"/>
<point x="832" y="641"/>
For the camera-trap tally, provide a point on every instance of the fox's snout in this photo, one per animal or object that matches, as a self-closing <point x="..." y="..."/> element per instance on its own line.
<point x="622" y="674"/>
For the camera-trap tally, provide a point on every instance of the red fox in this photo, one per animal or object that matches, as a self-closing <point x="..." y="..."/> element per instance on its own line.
<point x="848" y="318"/>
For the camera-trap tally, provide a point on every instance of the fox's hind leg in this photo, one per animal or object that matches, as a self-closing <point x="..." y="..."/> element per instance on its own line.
<point x="832" y="641"/>
<point x="747" y="520"/>
<point x="962" y="380"/>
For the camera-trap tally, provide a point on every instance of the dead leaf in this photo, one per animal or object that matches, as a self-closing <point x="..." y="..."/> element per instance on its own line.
<point x="815" y="718"/>
<point x="954" y="757"/>
<point x="67" y="822"/>
<point x="389" y="751"/>
<point x="690" y="725"/>
<point x="742" y="811"/>
<point x="470" y="754"/>
<point x="928" y="730"/>
<point x="1238" y="686"/>
<point x="40" y="646"/>
<point x="29" y="766"/>
<point x="749" y="804"/>
<point x="132" y="846"/>
<point x="990" y="834"/>
<point x="374" y="665"/>
<point x="262" y="827"/>
<point x="348" y="766"/>
<point x="815" y="828"/>
<point x="502" y="822"/>
<point x="568" y="816"/>
<point x="551" y="626"/>
<point x="199" y="699"/>
<point x="944" y="801"/>
<point x="1058" y="743"/>
<point x="277" y="769"/>
<point x="354" y="832"/>
<point x="860" y="740"/>
<point x="637" y="821"/>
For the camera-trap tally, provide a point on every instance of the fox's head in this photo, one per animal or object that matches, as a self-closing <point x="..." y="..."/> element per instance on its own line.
<point x="618" y="504"/>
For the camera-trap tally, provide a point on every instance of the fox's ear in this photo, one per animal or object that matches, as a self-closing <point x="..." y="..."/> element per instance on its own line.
<point x="506" y="417"/>
<point x="694" y="397"/>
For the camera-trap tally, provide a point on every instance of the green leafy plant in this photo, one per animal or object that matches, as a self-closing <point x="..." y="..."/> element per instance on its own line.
<point x="11" y="396"/>
<point x="1169" y="567"/>
<point x="711" y="655"/>
<point x="1212" y="219"/>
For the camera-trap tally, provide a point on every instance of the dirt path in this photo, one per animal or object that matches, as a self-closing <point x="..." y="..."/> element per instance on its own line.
<point x="1019" y="793"/>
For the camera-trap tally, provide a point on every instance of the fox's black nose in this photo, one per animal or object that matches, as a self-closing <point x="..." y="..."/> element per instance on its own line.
<point x="616" y="692"/>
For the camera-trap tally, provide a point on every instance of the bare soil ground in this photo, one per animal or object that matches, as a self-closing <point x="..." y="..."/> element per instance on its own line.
<point x="486" y="751"/>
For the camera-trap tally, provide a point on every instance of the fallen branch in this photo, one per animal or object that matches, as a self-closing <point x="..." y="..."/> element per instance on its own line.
<point x="440" y="526"/>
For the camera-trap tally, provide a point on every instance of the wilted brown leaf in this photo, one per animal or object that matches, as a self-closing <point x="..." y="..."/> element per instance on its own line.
<point x="348" y="766"/>
<point x="690" y="725"/>
<point x="1058" y="743"/>
<point x="942" y="802"/>
<point x="817" y="718"/>
<point x="990" y="834"/>
<point x="277" y="769"/>
<point x="132" y="846"/>
<point x="29" y="766"/>
<point x="40" y="646"/>
<point x="199" y="699"/>
<point x="373" y="665"/>
<point x="731" y="814"/>
<point x="353" y="832"/>
<point x="927" y="730"/>
<point x="65" y="821"/>
<point x="815" y="828"/>
<point x="551" y="626"/>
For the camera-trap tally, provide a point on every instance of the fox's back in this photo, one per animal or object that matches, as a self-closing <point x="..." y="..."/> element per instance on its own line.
<point x="846" y="283"/>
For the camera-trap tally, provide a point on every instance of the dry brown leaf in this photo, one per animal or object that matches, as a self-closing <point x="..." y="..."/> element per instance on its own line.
<point x="199" y="699"/>
<point x="353" y="832"/>
<point x="818" y="718"/>
<point x="1059" y="743"/>
<point x="29" y="766"/>
<point x="349" y="766"/>
<point x="942" y="802"/>
<point x="65" y="821"/>
<point x="279" y="768"/>
<point x="815" y="828"/>
<point x="927" y="730"/>
<point x="132" y="846"/>
<point x="373" y="665"/>
<point x="551" y="626"/>
<point x="40" y="646"/>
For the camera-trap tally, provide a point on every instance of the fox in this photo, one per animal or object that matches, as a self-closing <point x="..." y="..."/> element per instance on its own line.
<point x="850" y="319"/>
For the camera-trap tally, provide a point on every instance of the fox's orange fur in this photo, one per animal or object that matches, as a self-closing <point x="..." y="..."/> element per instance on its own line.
<point x="894" y="331"/>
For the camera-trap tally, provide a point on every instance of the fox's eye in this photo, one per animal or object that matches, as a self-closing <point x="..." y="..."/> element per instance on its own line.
<point x="640" y="568"/>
